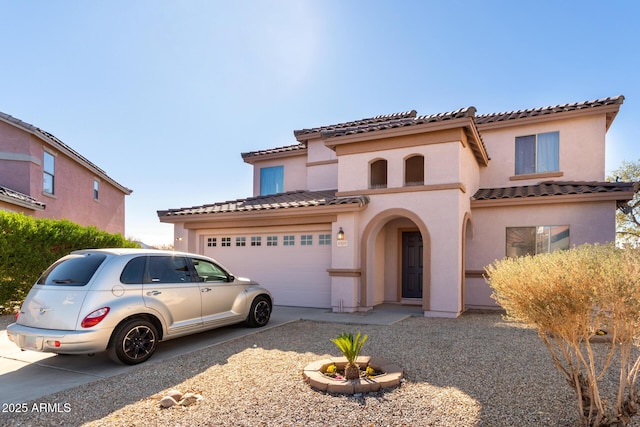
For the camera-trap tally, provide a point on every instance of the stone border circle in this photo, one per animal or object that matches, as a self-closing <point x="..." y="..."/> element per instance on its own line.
<point x="391" y="377"/>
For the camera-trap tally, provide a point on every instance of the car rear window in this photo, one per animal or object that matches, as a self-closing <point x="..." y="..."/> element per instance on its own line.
<point x="75" y="270"/>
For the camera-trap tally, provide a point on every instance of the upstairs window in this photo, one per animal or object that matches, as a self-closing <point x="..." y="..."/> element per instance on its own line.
<point x="96" y="187"/>
<point x="49" y="172"/>
<point x="414" y="171"/>
<point x="378" y="174"/>
<point x="537" y="153"/>
<point x="271" y="180"/>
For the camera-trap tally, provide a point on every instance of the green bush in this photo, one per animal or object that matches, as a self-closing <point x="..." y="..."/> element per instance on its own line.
<point x="29" y="245"/>
<point x="571" y="297"/>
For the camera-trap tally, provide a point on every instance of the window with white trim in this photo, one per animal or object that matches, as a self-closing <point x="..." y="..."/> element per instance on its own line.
<point x="289" y="240"/>
<point x="96" y="188"/>
<point x="256" y="241"/>
<point x="271" y="180"/>
<point x="212" y="242"/>
<point x="49" y="172"/>
<point x="226" y="242"/>
<point x="241" y="241"/>
<point x="272" y="240"/>
<point x="306" y="240"/>
<point x="537" y="153"/>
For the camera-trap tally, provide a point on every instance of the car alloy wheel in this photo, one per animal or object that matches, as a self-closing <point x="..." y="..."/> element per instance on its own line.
<point x="135" y="341"/>
<point x="260" y="312"/>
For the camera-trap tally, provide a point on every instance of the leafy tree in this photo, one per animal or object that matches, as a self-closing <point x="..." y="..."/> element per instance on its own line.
<point x="29" y="245"/>
<point x="628" y="217"/>
<point x="571" y="297"/>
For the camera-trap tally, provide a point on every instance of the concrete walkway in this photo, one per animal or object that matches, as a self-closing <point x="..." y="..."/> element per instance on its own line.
<point x="30" y="376"/>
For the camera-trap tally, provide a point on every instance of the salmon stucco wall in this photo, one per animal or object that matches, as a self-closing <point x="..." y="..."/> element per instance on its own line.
<point x="588" y="222"/>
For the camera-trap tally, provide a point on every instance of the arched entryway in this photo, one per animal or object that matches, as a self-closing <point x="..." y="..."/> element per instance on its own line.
<point x="396" y="259"/>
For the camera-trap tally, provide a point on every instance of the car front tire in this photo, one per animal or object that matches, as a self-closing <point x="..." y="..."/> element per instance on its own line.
<point x="134" y="342"/>
<point x="260" y="312"/>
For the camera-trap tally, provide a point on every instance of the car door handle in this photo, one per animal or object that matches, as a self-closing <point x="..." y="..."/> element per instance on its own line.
<point x="205" y="290"/>
<point x="153" y="293"/>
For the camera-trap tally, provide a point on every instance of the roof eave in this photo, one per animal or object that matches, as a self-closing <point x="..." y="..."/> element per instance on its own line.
<point x="22" y="203"/>
<point x="334" y="141"/>
<point x="165" y="217"/>
<point x="253" y="158"/>
<point x="609" y="110"/>
<point x="613" y="196"/>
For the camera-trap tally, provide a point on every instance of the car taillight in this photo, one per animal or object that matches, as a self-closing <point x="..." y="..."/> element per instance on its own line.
<point x="17" y="315"/>
<point x="95" y="317"/>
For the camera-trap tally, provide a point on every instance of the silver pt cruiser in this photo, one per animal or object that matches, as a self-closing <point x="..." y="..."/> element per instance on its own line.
<point x="125" y="301"/>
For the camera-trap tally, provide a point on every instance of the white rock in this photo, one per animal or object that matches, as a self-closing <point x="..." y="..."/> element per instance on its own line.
<point x="176" y="394"/>
<point x="168" y="402"/>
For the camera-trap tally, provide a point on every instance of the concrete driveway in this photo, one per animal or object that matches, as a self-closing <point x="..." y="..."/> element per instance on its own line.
<point x="27" y="375"/>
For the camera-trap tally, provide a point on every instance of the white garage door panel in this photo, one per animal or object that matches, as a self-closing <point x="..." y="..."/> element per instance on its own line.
<point x="295" y="275"/>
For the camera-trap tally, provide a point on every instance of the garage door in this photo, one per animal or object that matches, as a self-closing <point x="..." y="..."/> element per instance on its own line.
<point x="293" y="266"/>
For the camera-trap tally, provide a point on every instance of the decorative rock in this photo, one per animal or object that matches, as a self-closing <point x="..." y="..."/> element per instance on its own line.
<point x="168" y="402"/>
<point x="176" y="394"/>
<point x="188" y="399"/>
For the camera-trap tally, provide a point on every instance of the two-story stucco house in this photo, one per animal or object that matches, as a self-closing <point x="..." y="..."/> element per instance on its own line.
<point x="43" y="177"/>
<point x="409" y="209"/>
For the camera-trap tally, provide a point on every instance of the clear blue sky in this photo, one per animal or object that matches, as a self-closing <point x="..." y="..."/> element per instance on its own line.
<point x="165" y="95"/>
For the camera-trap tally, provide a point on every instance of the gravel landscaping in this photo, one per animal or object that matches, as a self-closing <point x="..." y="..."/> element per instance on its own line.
<point x="477" y="370"/>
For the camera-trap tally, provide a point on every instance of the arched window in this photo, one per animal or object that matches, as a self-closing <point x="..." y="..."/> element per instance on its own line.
<point x="414" y="170"/>
<point x="378" y="174"/>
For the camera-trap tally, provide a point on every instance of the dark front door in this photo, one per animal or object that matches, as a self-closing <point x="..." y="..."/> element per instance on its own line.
<point x="411" y="264"/>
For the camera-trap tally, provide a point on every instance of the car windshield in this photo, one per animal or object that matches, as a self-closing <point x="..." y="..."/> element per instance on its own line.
<point x="75" y="270"/>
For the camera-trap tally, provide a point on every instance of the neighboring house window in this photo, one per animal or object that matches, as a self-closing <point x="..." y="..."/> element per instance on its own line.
<point x="226" y="241"/>
<point x="271" y="180"/>
<point x="324" y="239"/>
<point x="212" y="242"/>
<point x="272" y="240"/>
<point x="537" y="153"/>
<point x="256" y="241"/>
<point x="414" y="171"/>
<point x="289" y="240"/>
<point x="306" y="240"/>
<point x="241" y="241"/>
<point x="378" y="174"/>
<point x="96" y="187"/>
<point x="536" y="240"/>
<point x="49" y="172"/>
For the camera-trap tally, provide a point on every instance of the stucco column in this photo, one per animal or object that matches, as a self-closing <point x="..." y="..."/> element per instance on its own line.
<point x="345" y="269"/>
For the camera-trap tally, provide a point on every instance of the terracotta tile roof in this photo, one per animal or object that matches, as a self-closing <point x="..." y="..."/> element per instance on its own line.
<point x="15" y="197"/>
<point x="289" y="200"/>
<point x="533" y="112"/>
<point x="277" y="150"/>
<point x="52" y="140"/>
<point x="554" y="188"/>
<point x="396" y="123"/>
<point x="363" y="122"/>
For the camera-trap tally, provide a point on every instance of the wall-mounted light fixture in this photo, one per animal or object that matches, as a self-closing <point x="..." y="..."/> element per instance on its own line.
<point x="178" y="239"/>
<point x="340" y="235"/>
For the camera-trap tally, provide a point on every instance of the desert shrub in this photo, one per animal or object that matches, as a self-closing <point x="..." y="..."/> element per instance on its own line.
<point x="571" y="297"/>
<point x="29" y="245"/>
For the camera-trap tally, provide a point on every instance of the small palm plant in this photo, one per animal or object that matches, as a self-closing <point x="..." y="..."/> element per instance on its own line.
<point x="350" y="348"/>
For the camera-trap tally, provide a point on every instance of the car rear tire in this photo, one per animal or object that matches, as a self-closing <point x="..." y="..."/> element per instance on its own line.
<point x="260" y="312"/>
<point x="134" y="342"/>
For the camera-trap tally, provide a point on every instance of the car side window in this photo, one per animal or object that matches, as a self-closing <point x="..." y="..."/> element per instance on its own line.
<point x="209" y="272"/>
<point x="133" y="272"/>
<point x="167" y="269"/>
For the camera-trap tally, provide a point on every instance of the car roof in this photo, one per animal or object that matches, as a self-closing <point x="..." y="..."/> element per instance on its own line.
<point x="135" y="251"/>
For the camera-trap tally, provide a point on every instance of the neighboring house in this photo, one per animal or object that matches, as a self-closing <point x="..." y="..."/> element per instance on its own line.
<point x="409" y="209"/>
<point x="43" y="177"/>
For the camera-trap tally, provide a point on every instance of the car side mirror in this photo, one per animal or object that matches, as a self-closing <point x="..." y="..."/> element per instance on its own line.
<point x="231" y="278"/>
